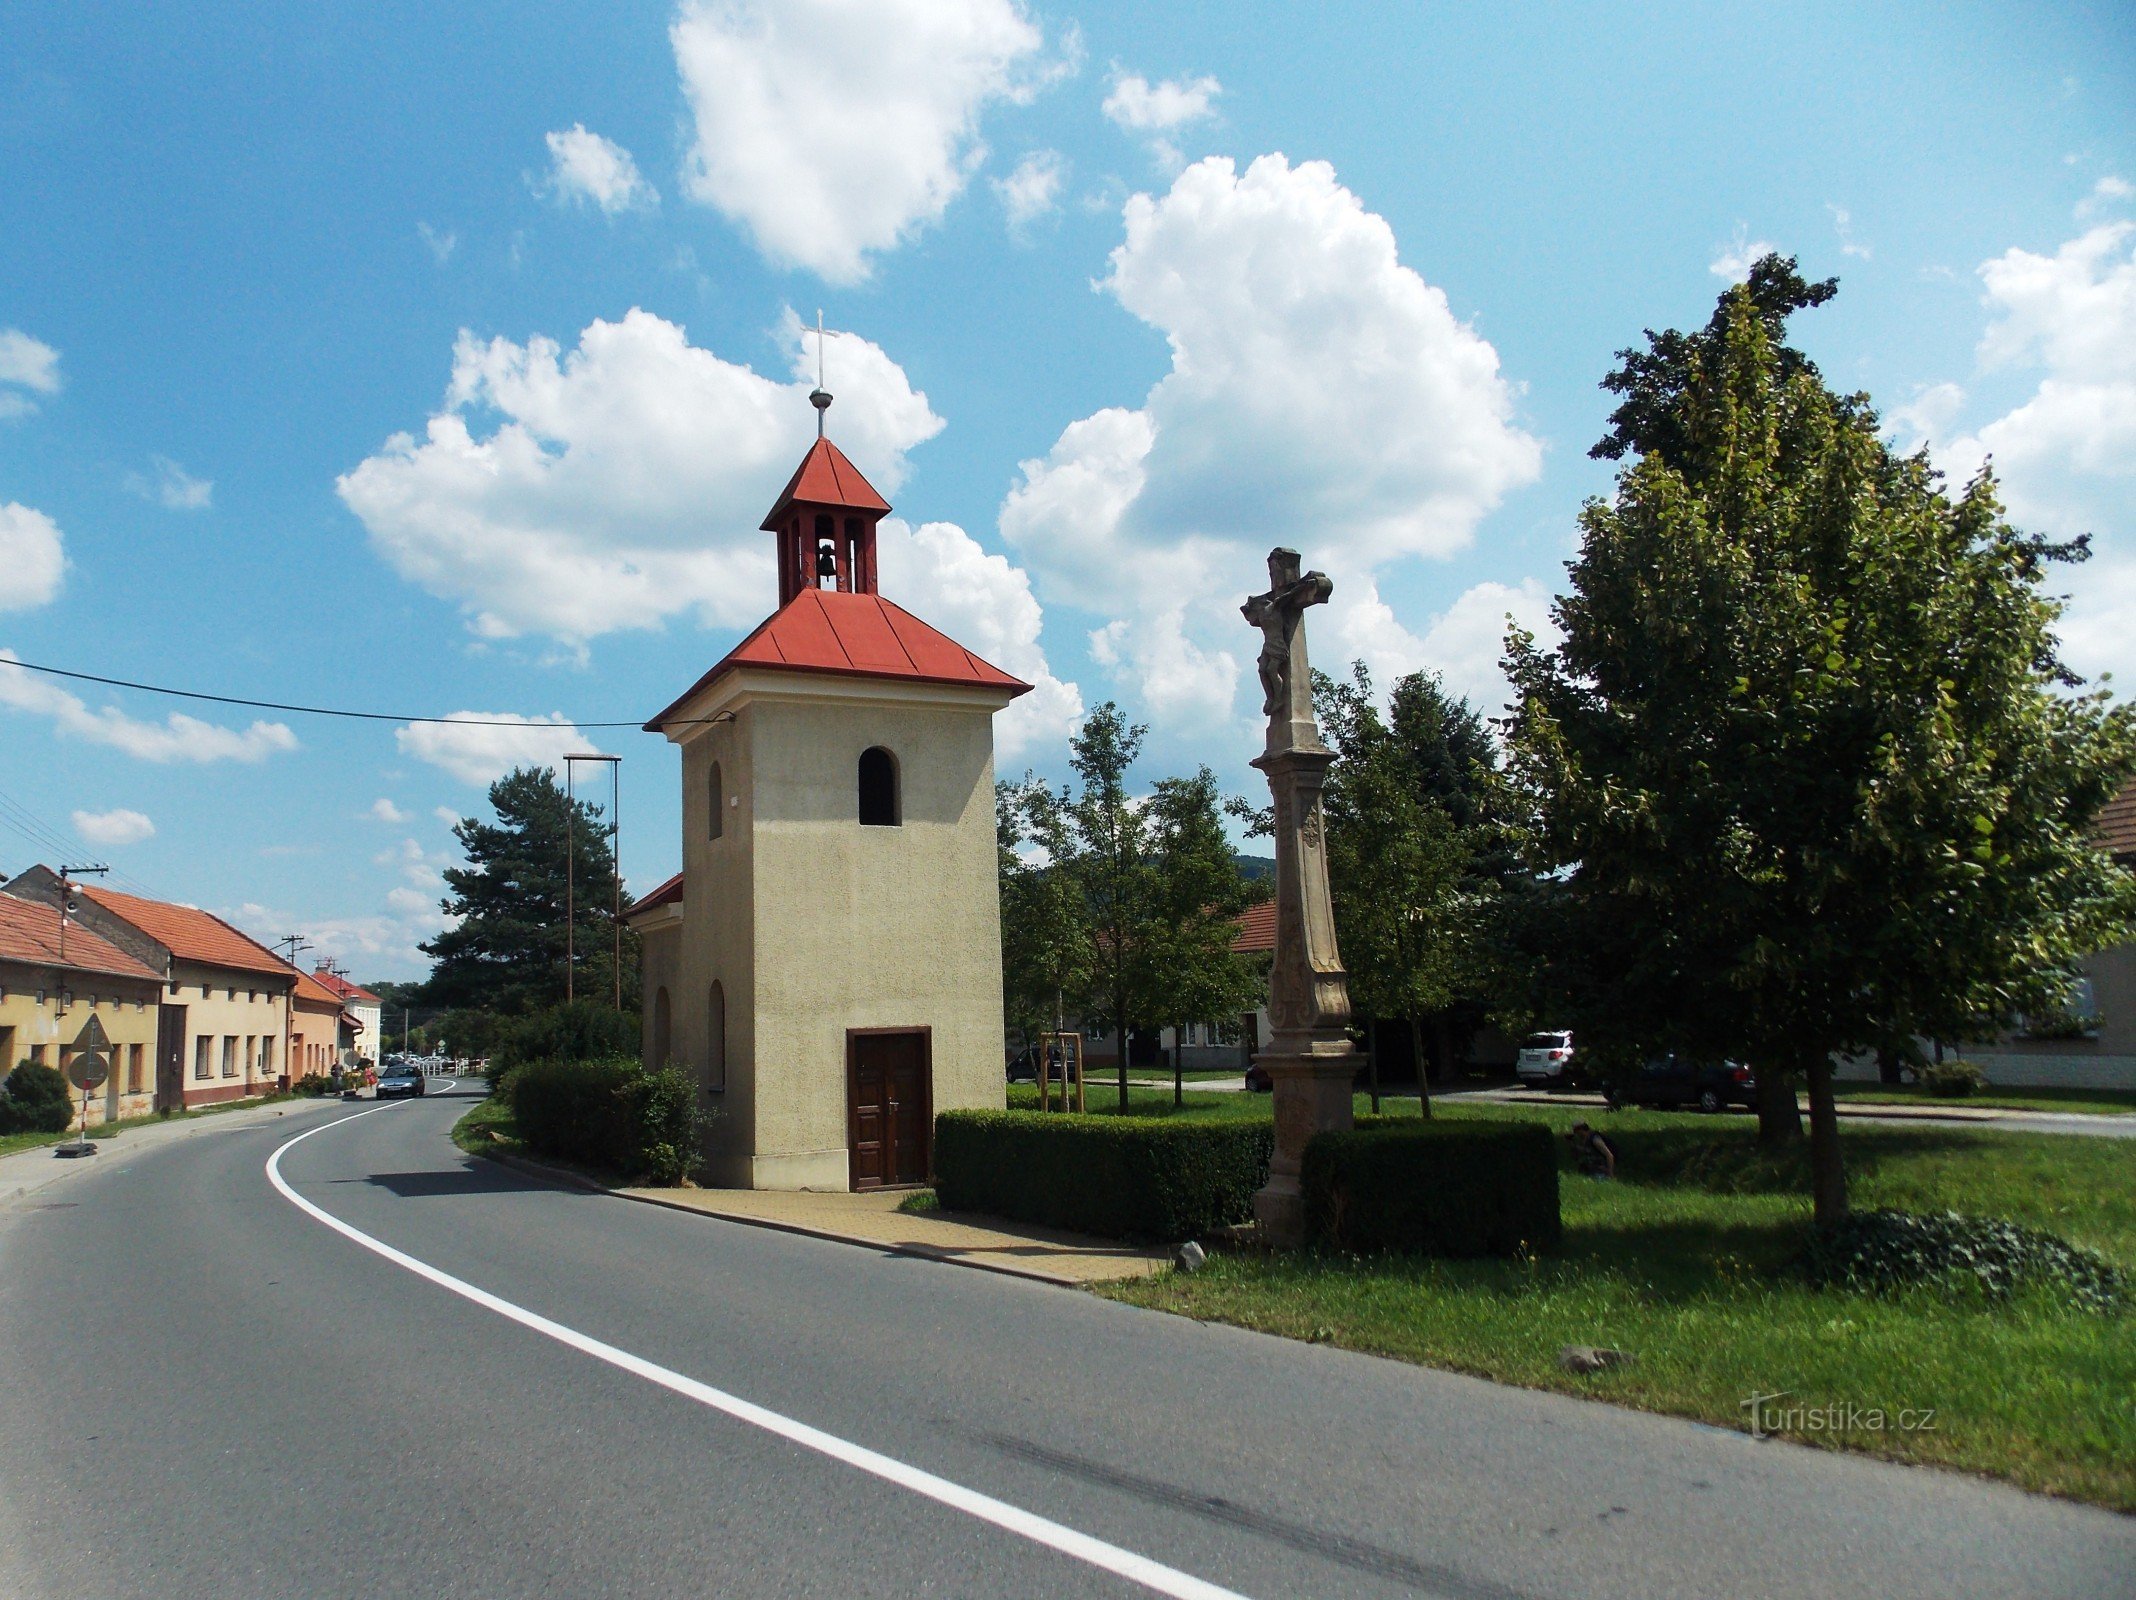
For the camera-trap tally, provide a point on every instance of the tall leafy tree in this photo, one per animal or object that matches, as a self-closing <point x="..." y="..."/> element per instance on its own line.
<point x="1807" y="754"/>
<point x="1189" y="970"/>
<point x="1047" y="950"/>
<point x="1108" y="839"/>
<point x="506" y="952"/>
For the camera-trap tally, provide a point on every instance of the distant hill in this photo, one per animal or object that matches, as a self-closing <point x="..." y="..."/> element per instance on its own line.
<point x="1255" y="868"/>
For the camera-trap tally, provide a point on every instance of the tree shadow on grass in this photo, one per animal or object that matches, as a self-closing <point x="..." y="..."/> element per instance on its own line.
<point x="1729" y="1160"/>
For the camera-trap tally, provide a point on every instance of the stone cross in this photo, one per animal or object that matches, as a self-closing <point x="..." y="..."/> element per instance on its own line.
<point x="1310" y="1060"/>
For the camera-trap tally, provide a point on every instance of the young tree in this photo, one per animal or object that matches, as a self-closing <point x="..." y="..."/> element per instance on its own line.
<point x="1107" y="836"/>
<point x="1189" y="970"/>
<point x="1807" y="751"/>
<point x="1047" y="955"/>
<point x="507" y="952"/>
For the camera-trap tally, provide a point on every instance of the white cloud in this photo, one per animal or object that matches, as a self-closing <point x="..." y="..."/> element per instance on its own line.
<point x="33" y="558"/>
<point x="1843" y="225"/>
<point x="833" y="129"/>
<point x="376" y="945"/>
<point x="25" y="363"/>
<point x="481" y="755"/>
<point x="2109" y="190"/>
<point x="448" y="816"/>
<point x="440" y="242"/>
<point x="171" y="486"/>
<point x="1734" y="261"/>
<point x="386" y="811"/>
<point x="1320" y="391"/>
<point x="626" y="480"/>
<point x="177" y="738"/>
<point x="939" y="573"/>
<point x="1159" y="110"/>
<point x="588" y="169"/>
<point x="1927" y="416"/>
<point x="113" y="827"/>
<point x="1033" y="190"/>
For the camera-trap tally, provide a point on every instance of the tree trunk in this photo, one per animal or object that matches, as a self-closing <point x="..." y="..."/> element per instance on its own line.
<point x="1887" y="1065"/>
<point x="1779" y="1123"/>
<point x="1828" y="1171"/>
<point x="1179" y="1035"/>
<point x="1416" y="1050"/>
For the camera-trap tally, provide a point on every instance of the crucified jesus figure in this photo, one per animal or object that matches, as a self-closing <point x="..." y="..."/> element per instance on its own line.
<point x="1277" y="614"/>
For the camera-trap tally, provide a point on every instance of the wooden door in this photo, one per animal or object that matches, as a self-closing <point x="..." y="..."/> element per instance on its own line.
<point x="890" y="1115"/>
<point x="170" y="1058"/>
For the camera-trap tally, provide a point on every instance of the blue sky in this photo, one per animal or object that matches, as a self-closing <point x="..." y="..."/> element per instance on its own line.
<point x="437" y="360"/>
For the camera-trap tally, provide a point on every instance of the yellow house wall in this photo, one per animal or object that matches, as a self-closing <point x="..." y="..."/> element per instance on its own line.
<point x="125" y="1006"/>
<point x="815" y="925"/>
<point x="315" y="1029"/>
<point x="257" y="1012"/>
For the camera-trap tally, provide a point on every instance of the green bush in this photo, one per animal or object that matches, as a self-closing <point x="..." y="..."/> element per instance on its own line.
<point x="313" y="1084"/>
<point x="610" y="1114"/>
<point x="585" y="1030"/>
<point x="1951" y="1080"/>
<point x="1433" y="1188"/>
<point x="1117" y="1177"/>
<point x="1882" y="1252"/>
<point x="35" y="1100"/>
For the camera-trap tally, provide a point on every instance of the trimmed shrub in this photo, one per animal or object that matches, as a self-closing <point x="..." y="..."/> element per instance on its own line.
<point x="1116" y="1177"/>
<point x="1883" y="1252"/>
<point x="585" y="1030"/>
<point x="35" y="1100"/>
<point x="312" y="1085"/>
<point x="610" y="1114"/>
<point x="1951" y="1080"/>
<point x="1433" y="1188"/>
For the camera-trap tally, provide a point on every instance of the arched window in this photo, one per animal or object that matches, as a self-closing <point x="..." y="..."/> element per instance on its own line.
<point x="878" y="789"/>
<point x="716" y="1051"/>
<point x="719" y="804"/>
<point x="663" y="1030"/>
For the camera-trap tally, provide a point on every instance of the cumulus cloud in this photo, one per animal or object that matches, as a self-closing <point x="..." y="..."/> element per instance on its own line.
<point x="938" y="572"/>
<point x="1159" y="110"/>
<point x="169" y="485"/>
<point x="33" y="558"/>
<point x="25" y="364"/>
<point x="1734" y="261"/>
<point x="626" y="480"/>
<point x="440" y="242"/>
<point x="386" y="811"/>
<point x="586" y="169"/>
<point x="1033" y="190"/>
<point x="113" y="827"/>
<point x="2109" y="190"/>
<point x="471" y="746"/>
<point x="1316" y="383"/>
<point x="177" y="738"/>
<point x="377" y="945"/>
<point x="834" y="129"/>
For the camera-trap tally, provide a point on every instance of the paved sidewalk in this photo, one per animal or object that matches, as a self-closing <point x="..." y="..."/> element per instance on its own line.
<point x="27" y="1171"/>
<point x="873" y="1219"/>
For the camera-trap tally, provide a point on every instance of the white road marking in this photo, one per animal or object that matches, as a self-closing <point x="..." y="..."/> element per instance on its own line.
<point x="1111" y="1558"/>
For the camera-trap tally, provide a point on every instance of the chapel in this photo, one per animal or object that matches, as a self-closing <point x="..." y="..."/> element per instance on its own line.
<point x="828" y="961"/>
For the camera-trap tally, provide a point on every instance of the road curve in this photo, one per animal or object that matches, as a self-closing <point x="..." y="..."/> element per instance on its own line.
<point x="212" y="1392"/>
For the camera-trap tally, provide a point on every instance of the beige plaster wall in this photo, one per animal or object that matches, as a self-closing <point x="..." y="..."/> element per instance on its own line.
<point x="815" y="925"/>
<point x="258" y="1011"/>
<point x="125" y="1006"/>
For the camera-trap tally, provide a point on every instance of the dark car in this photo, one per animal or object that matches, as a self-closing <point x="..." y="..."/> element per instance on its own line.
<point x="400" y="1080"/>
<point x="1673" y="1080"/>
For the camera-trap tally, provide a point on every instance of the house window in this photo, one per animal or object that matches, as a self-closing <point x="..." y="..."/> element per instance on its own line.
<point x="719" y="804"/>
<point x="203" y="991"/>
<point x="201" y="1046"/>
<point x="716" y="1051"/>
<point x="878" y="789"/>
<point x="230" y="993"/>
<point x="229" y="1055"/>
<point x="267" y="1055"/>
<point x="133" y="1069"/>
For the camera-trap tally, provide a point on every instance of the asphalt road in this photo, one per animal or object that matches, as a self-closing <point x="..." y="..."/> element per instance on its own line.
<point x="206" y="1390"/>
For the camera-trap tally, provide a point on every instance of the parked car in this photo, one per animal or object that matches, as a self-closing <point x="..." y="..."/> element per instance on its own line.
<point x="1673" y="1080"/>
<point x="1547" y="1059"/>
<point x="402" y="1078"/>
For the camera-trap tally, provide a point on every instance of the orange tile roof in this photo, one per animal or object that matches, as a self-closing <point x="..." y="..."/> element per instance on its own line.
<point x="2116" y="827"/>
<point x="338" y="985"/>
<point x="316" y="993"/>
<point x="29" y="931"/>
<point x="826" y="478"/>
<point x="1257" y="930"/>
<point x="855" y="635"/>
<point x="189" y="933"/>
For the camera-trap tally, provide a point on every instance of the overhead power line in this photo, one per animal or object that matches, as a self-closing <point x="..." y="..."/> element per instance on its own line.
<point x="307" y="711"/>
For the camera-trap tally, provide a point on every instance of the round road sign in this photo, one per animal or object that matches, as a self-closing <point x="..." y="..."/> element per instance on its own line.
<point x="87" y="1069"/>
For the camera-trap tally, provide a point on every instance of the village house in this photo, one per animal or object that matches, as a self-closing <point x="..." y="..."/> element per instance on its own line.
<point x="53" y="979"/>
<point x="319" y="1029"/>
<point x="364" y="1011"/>
<point x="224" y="1015"/>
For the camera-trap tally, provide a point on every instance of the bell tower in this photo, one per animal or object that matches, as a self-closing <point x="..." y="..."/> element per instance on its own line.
<point x="824" y="521"/>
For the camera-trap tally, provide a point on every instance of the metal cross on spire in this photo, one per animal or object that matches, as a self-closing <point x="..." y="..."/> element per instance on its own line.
<point x="820" y="397"/>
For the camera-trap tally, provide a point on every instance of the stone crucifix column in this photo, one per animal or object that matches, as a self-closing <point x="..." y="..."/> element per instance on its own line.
<point x="1310" y="1061"/>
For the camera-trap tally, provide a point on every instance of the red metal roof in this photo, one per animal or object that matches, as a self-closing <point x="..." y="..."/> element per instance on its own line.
<point x="856" y="635"/>
<point x="1257" y="930"/>
<point x="668" y="894"/>
<point x="826" y="478"/>
<point x="189" y="933"/>
<point x="334" y="983"/>
<point x="29" y="932"/>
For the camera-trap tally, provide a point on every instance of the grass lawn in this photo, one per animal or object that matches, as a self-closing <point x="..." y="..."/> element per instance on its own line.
<point x="98" y="1131"/>
<point x="2106" y="1102"/>
<point x="488" y="1130"/>
<point x="1684" y="1262"/>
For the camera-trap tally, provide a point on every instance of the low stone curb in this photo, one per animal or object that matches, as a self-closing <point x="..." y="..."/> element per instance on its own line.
<point x="923" y="1252"/>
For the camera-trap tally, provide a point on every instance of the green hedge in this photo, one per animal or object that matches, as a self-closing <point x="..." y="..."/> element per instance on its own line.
<point x="1433" y="1188"/>
<point x="1117" y="1177"/>
<point x="611" y="1114"/>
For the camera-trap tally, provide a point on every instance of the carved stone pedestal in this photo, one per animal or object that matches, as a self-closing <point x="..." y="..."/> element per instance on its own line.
<point x="1312" y="1095"/>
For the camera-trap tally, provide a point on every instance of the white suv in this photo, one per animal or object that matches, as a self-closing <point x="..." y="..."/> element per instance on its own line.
<point x="1545" y="1058"/>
